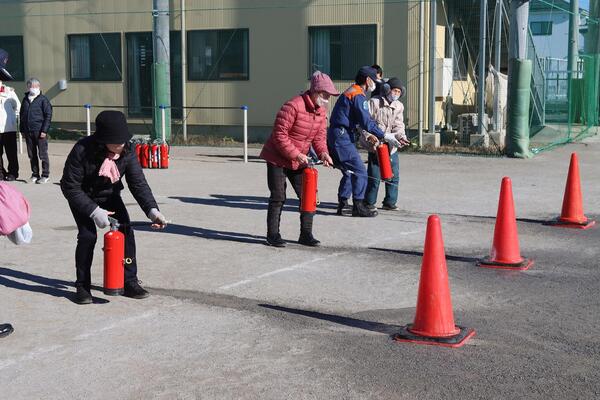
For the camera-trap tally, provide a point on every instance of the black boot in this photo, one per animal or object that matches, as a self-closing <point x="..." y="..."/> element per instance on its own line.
<point x="360" y="210"/>
<point x="135" y="291"/>
<point x="275" y="241"/>
<point x="273" y="217"/>
<point x="306" y="237"/>
<point x="83" y="295"/>
<point x="342" y="205"/>
<point x="5" y="330"/>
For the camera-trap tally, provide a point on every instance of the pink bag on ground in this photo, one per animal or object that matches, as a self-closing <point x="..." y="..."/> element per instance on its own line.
<point x="14" y="209"/>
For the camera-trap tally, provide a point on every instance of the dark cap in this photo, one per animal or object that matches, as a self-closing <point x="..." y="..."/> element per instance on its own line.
<point x="111" y="128"/>
<point x="395" y="83"/>
<point x="4" y="74"/>
<point x="367" y="71"/>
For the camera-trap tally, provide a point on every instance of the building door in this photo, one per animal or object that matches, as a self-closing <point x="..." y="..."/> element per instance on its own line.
<point x="139" y="74"/>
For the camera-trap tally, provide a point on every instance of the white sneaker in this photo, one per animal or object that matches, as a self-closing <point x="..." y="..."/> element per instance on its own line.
<point x="33" y="179"/>
<point x="43" y="180"/>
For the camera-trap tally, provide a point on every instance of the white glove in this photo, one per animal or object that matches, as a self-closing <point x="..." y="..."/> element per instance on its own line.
<point x="22" y="235"/>
<point x="390" y="138"/>
<point x="100" y="217"/>
<point x="156" y="217"/>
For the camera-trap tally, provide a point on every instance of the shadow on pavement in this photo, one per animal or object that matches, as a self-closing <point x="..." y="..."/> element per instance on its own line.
<point x="249" y="202"/>
<point x="48" y="286"/>
<point x="338" y="319"/>
<point x="184" y="230"/>
<point x="420" y="254"/>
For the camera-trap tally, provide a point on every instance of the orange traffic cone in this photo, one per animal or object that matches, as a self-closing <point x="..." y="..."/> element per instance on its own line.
<point x="434" y="319"/>
<point x="572" y="209"/>
<point x="505" y="253"/>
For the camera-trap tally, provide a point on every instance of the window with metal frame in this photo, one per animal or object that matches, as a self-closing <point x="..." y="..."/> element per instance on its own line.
<point x="16" y="61"/>
<point x="341" y="50"/>
<point x="218" y="55"/>
<point x="95" y="57"/>
<point x="541" y="28"/>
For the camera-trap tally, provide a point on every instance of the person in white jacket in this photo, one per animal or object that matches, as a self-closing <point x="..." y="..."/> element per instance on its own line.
<point x="9" y="110"/>
<point x="387" y="110"/>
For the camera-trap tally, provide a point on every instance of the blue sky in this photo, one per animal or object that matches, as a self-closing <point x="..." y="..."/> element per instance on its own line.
<point x="584" y="4"/>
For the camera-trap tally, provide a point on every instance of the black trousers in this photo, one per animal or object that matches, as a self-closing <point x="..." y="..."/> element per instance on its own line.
<point x="86" y="241"/>
<point x="37" y="149"/>
<point x="277" y="181"/>
<point x="8" y="145"/>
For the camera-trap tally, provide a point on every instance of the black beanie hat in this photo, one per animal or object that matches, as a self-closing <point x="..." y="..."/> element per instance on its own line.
<point x="111" y="128"/>
<point x="395" y="83"/>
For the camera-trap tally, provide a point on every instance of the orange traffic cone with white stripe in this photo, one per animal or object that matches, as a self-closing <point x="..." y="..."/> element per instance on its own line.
<point x="434" y="318"/>
<point x="505" y="253"/>
<point x="572" y="209"/>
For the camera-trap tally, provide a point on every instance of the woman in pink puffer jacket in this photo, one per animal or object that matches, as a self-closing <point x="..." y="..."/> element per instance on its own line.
<point x="300" y="124"/>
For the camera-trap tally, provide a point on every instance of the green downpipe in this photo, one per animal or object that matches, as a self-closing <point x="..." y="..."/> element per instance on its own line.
<point x="161" y="96"/>
<point x="519" y="97"/>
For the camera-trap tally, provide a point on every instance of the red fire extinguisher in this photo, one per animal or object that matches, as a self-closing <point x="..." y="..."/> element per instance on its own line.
<point x="154" y="154"/>
<point x="164" y="155"/>
<point x="138" y="150"/>
<point x="385" y="165"/>
<point x="114" y="260"/>
<point x="310" y="180"/>
<point x="144" y="155"/>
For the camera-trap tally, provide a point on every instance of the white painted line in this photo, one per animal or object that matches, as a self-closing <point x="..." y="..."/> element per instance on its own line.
<point x="279" y="271"/>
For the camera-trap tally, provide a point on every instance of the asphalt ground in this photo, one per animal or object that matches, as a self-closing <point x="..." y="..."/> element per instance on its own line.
<point x="230" y="318"/>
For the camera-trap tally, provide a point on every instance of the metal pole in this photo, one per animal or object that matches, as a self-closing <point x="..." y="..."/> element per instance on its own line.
<point x="573" y="54"/>
<point x="421" y="69"/>
<point x="161" y="75"/>
<point x="245" y="110"/>
<point x="432" y="69"/>
<point x="183" y="71"/>
<point x="163" y="114"/>
<point x="482" y="67"/>
<point x="498" y="62"/>
<point x="88" y="118"/>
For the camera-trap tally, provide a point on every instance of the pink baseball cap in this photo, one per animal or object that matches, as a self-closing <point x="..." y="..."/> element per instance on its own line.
<point x="320" y="82"/>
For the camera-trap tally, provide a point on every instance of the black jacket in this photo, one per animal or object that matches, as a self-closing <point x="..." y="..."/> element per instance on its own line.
<point x="84" y="189"/>
<point x="35" y="116"/>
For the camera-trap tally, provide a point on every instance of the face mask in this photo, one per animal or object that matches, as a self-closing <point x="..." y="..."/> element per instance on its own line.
<point x="372" y="86"/>
<point x="321" y="102"/>
<point x="392" y="98"/>
<point x="34" y="91"/>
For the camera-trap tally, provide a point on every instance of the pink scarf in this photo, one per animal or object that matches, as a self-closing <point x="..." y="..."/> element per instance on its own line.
<point x="109" y="169"/>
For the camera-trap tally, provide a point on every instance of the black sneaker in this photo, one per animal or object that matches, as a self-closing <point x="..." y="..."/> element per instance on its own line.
<point x="389" y="207"/>
<point x="83" y="296"/>
<point x="307" y="239"/>
<point x="370" y="206"/>
<point x="360" y="210"/>
<point x="5" y="330"/>
<point x="10" y="178"/>
<point x="342" y="206"/>
<point x="275" y="241"/>
<point x="135" y="291"/>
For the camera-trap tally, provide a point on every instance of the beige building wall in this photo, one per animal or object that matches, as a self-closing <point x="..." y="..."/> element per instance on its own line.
<point x="278" y="50"/>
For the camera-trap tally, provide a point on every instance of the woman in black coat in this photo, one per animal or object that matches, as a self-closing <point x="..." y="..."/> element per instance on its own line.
<point x="92" y="185"/>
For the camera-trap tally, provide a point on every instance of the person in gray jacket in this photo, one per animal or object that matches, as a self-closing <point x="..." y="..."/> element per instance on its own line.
<point x="387" y="110"/>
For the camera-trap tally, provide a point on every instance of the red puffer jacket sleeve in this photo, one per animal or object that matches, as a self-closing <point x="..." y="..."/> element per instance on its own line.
<point x="320" y="140"/>
<point x="283" y="123"/>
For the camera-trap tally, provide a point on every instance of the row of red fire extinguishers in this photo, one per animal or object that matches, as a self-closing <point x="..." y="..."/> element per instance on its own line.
<point x="114" y="240"/>
<point x="152" y="154"/>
